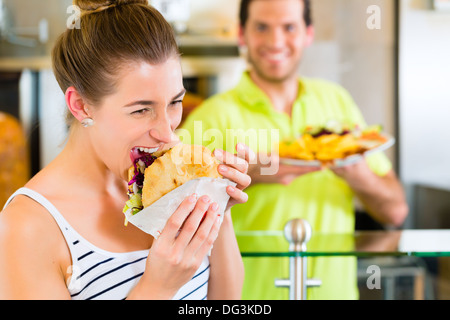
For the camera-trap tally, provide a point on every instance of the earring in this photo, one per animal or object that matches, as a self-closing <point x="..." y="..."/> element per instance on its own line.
<point x="87" y="122"/>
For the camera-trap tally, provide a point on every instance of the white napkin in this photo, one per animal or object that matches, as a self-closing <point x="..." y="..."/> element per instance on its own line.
<point x="153" y="218"/>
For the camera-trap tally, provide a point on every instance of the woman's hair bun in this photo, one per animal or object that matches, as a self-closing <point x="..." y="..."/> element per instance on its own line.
<point x="110" y="34"/>
<point x="93" y="5"/>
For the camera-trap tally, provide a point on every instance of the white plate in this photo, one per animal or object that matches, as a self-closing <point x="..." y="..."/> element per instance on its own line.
<point x="341" y="162"/>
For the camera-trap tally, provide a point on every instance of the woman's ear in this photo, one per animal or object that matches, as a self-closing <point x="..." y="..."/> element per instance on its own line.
<point x="76" y="104"/>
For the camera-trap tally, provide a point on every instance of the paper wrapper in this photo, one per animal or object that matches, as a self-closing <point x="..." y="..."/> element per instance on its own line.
<point x="153" y="218"/>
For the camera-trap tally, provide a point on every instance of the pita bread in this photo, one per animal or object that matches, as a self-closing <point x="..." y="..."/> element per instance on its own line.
<point x="177" y="166"/>
<point x="157" y="154"/>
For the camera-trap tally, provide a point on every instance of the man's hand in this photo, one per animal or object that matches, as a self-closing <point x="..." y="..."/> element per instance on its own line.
<point x="382" y="196"/>
<point x="268" y="169"/>
<point x="357" y="174"/>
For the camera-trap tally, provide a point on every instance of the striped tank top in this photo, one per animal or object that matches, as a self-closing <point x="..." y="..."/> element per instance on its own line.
<point x="97" y="274"/>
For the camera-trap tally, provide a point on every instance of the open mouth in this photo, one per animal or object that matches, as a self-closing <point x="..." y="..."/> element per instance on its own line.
<point x="141" y="152"/>
<point x="141" y="158"/>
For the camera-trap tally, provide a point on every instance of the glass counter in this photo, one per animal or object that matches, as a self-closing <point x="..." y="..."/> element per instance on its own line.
<point x="421" y="243"/>
<point x="361" y="245"/>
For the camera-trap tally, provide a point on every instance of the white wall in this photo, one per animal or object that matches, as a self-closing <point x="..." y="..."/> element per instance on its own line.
<point x="27" y="13"/>
<point x="345" y="51"/>
<point x="424" y="95"/>
<point x="359" y="58"/>
<point x="214" y="15"/>
<point x="53" y="128"/>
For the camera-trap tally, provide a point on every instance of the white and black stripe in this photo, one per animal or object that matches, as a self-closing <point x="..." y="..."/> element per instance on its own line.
<point x="199" y="286"/>
<point x="102" y="275"/>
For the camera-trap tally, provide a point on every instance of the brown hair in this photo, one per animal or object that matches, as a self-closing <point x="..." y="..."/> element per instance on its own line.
<point x="243" y="12"/>
<point x="111" y="33"/>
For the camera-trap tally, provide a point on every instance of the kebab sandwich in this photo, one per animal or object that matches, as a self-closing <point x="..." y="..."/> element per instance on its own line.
<point x="153" y="175"/>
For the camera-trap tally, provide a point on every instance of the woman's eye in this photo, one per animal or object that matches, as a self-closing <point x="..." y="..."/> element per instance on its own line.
<point x="177" y="103"/>
<point x="140" y="111"/>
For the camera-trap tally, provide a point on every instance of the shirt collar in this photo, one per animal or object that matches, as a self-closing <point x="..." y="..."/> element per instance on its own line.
<point x="251" y="94"/>
<point x="254" y="98"/>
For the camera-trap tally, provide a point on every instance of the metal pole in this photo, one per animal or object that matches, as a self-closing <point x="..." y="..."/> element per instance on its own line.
<point x="298" y="233"/>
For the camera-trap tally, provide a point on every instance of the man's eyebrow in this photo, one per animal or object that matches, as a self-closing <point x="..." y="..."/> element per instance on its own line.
<point x="150" y="102"/>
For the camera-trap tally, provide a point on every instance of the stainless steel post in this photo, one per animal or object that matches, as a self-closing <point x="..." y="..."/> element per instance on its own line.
<point x="298" y="233"/>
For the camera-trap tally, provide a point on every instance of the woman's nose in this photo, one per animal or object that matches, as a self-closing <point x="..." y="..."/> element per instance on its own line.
<point x="163" y="131"/>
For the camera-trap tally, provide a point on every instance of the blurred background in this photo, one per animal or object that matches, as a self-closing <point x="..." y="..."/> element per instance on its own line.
<point x="397" y="69"/>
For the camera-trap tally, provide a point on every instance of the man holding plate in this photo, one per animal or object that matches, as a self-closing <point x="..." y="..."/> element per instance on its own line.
<point x="270" y="96"/>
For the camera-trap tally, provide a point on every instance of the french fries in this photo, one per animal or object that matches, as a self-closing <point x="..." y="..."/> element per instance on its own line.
<point x="330" y="146"/>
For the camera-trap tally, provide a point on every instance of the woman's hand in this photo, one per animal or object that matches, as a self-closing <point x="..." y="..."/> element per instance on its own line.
<point x="235" y="167"/>
<point x="180" y="249"/>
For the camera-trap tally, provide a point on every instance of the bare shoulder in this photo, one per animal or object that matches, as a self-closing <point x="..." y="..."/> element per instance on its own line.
<point x="24" y="219"/>
<point x="32" y="247"/>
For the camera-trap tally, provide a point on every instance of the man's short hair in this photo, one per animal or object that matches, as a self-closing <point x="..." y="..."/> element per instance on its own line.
<point x="243" y="12"/>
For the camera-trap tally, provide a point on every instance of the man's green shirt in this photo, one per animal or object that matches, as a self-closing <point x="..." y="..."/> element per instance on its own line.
<point x="245" y="114"/>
